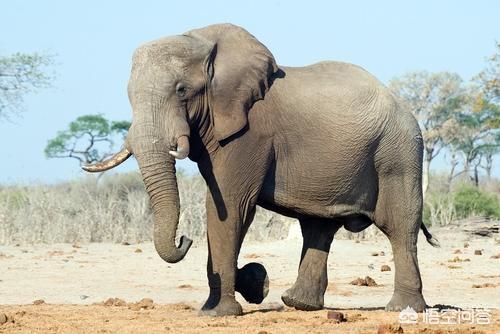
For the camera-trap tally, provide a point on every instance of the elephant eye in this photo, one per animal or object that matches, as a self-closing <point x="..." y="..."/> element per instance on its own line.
<point x="180" y="90"/>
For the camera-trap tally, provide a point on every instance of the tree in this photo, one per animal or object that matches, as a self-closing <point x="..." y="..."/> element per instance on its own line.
<point x="432" y="98"/>
<point x="88" y="139"/>
<point x="474" y="135"/>
<point x="489" y="83"/>
<point x="489" y="78"/>
<point x="21" y="74"/>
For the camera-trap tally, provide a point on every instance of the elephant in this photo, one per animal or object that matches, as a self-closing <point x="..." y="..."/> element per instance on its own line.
<point x="327" y="144"/>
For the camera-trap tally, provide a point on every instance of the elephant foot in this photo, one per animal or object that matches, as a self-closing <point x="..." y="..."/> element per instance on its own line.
<point x="401" y="300"/>
<point x="303" y="299"/>
<point x="252" y="282"/>
<point x="212" y="301"/>
<point x="226" y="306"/>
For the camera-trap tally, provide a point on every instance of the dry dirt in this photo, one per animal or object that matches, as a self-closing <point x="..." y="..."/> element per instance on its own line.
<point x="71" y="280"/>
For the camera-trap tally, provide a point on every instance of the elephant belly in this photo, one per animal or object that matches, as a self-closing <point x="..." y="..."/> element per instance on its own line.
<point x="309" y="192"/>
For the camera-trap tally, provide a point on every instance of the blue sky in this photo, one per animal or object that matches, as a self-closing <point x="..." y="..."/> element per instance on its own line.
<point x="94" y="41"/>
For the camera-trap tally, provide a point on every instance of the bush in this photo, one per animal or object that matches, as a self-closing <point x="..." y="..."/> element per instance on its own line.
<point x="471" y="201"/>
<point x="439" y="209"/>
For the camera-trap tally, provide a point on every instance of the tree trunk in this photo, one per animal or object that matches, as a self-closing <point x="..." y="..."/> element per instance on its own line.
<point x="489" y="166"/>
<point x="454" y="163"/>
<point x="425" y="172"/>
<point x="476" y="176"/>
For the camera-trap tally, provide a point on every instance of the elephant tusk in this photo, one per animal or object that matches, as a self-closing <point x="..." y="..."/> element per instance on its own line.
<point x="114" y="161"/>
<point x="182" y="148"/>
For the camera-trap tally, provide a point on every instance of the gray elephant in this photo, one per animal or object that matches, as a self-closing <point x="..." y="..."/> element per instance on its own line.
<point x="327" y="144"/>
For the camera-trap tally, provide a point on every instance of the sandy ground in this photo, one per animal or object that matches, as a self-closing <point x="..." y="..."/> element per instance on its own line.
<point x="70" y="278"/>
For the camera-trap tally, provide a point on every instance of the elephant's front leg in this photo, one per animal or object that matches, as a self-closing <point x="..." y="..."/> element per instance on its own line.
<point x="309" y="289"/>
<point x="223" y="237"/>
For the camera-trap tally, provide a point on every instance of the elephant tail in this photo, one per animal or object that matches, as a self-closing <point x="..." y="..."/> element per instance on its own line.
<point x="430" y="239"/>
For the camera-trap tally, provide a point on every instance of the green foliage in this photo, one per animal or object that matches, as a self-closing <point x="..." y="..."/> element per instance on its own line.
<point x="95" y="124"/>
<point x="120" y="127"/>
<point x="87" y="139"/>
<point x="470" y="201"/>
<point x="489" y="78"/>
<point x="21" y="74"/>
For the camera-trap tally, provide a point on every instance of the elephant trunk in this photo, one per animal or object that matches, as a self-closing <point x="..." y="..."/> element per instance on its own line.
<point x="151" y="140"/>
<point x="160" y="180"/>
<point x="154" y="145"/>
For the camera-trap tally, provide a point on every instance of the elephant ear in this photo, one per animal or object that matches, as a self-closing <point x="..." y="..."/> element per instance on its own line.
<point x="242" y="72"/>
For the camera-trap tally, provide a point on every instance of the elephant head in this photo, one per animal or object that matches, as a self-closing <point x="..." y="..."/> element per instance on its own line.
<point x="208" y="78"/>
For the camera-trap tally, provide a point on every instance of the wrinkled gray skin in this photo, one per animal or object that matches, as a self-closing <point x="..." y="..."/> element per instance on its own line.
<point x="327" y="144"/>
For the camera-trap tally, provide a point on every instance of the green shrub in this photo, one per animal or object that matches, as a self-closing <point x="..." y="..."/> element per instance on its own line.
<point x="471" y="201"/>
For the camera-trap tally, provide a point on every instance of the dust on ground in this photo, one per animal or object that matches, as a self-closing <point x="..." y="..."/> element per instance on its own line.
<point x="72" y="282"/>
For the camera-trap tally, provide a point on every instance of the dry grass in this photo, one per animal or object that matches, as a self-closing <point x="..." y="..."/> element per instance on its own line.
<point x="114" y="209"/>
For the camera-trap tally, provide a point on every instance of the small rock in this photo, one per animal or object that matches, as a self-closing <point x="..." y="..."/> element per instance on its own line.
<point x="484" y="285"/>
<point x="39" y="302"/>
<point x="357" y="241"/>
<point x="370" y="281"/>
<point x="478" y="252"/>
<point x="83" y="297"/>
<point x="497" y="256"/>
<point x="114" y="302"/>
<point x="466" y="245"/>
<point x="3" y="318"/>
<point x="385" y="267"/>
<point x="381" y="253"/>
<point x="371" y="266"/>
<point x="358" y="281"/>
<point x="138" y="250"/>
<point x="367" y="281"/>
<point x="336" y="316"/>
<point x="389" y="329"/>
<point x="76" y="246"/>
<point x="457" y="251"/>
<point x="125" y="243"/>
<point x="143" y="304"/>
<point x="263" y="332"/>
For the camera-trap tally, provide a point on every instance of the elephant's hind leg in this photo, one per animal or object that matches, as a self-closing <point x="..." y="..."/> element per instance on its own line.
<point x="399" y="215"/>
<point x="309" y="289"/>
